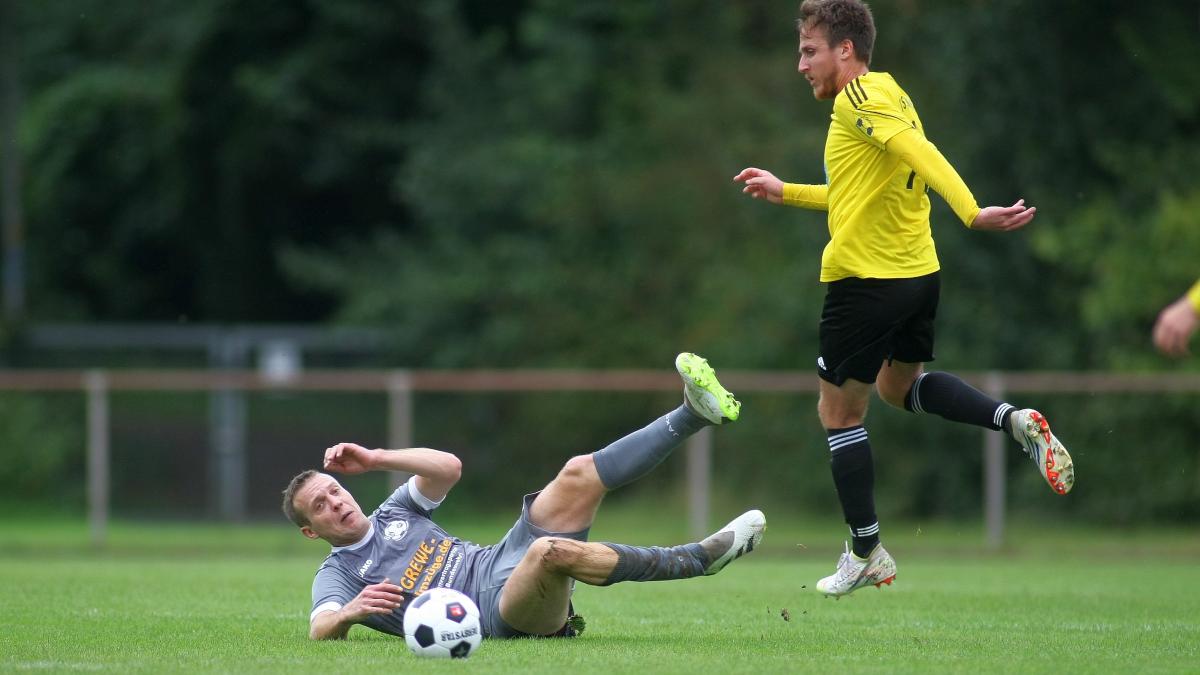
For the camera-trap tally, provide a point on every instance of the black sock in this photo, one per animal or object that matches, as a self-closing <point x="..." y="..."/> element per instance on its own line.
<point x="656" y="563"/>
<point x="945" y="395"/>
<point x="854" y="475"/>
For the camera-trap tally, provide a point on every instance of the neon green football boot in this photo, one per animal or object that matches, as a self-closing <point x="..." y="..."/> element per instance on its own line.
<point x="703" y="393"/>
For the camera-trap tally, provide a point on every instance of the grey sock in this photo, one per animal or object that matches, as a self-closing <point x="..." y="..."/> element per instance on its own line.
<point x="656" y="563"/>
<point x="633" y="456"/>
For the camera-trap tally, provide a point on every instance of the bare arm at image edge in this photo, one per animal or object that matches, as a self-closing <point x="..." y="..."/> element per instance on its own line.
<point x="1177" y="322"/>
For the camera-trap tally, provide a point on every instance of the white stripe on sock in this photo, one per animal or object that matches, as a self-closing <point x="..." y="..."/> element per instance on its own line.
<point x="916" y="394"/>
<point x="839" y="446"/>
<point x="853" y="432"/>
<point x="858" y="437"/>
<point x="866" y="531"/>
<point x="1001" y="411"/>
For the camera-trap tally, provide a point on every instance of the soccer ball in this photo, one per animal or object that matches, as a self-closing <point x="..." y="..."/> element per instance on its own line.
<point x="442" y="623"/>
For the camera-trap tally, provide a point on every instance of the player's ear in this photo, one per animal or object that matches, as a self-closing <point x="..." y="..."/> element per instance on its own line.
<point x="308" y="532"/>
<point x="846" y="49"/>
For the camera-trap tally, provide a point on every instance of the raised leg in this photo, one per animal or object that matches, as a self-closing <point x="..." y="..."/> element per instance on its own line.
<point x="569" y="502"/>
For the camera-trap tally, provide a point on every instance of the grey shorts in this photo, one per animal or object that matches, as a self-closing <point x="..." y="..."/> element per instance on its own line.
<point x="498" y="563"/>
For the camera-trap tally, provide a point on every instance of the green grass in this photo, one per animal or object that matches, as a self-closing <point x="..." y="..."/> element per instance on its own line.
<point x="185" y="598"/>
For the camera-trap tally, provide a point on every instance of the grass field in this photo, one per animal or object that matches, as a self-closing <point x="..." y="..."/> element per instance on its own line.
<point x="179" y="598"/>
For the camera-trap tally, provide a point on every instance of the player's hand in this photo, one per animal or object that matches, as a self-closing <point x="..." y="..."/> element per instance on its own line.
<point x="761" y="184"/>
<point x="348" y="458"/>
<point x="381" y="598"/>
<point x="1174" y="328"/>
<point x="1004" y="218"/>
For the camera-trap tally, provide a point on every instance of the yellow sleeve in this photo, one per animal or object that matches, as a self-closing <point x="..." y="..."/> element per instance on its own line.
<point x="923" y="157"/>
<point x="806" y="196"/>
<point x="1193" y="297"/>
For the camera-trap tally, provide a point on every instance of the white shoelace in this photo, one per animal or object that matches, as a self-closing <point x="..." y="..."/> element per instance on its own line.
<point x="845" y="565"/>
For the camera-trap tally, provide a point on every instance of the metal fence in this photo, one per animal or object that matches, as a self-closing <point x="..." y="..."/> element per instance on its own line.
<point x="228" y="387"/>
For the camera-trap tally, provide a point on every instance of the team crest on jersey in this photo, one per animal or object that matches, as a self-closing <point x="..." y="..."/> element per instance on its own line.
<point x="865" y="126"/>
<point x="395" y="530"/>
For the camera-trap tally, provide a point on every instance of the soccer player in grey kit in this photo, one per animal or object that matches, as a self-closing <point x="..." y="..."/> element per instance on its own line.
<point x="522" y="584"/>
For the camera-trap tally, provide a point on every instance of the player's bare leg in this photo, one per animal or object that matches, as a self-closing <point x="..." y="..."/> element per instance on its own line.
<point x="843" y="406"/>
<point x="843" y="410"/>
<point x="895" y="380"/>
<point x="536" y="598"/>
<point x="569" y="502"/>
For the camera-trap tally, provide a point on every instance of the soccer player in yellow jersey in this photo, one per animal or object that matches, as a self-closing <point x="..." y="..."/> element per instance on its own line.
<point x="1177" y="322"/>
<point x="882" y="273"/>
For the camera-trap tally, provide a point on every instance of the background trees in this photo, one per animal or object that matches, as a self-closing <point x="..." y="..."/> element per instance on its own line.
<point x="534" y="178"/>
<point x="547" y="182"/>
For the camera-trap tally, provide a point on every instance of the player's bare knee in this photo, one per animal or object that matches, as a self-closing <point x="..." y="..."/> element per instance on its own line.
<point x="895" y="381"/>
<point x="579" y="471"/>
<point x="892" y="394"/>
<point x="556" y="554"/>
<point x="579" y="465"/>
<point x="838" y="417"/>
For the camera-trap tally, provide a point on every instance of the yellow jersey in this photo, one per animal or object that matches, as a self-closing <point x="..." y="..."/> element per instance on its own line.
<point x="878" y="206"/>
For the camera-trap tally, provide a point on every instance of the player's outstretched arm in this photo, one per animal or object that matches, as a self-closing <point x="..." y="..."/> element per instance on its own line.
<point x="762" y="184"/>
<point x="436" y="471"/>
<point x="927" y="162"/>
<point x="381" y="598"/>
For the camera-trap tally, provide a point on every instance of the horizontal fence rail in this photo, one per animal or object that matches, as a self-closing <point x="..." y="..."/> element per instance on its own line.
<point x="228" y="388"/>
<point x="554" y="380"/>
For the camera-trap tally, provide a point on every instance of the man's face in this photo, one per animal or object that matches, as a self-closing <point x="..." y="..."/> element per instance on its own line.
<point x="819" y="63"/>
<point x="332" y="513"/>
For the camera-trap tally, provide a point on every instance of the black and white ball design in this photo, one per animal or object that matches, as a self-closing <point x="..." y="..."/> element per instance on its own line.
<point x="442" y="623"/>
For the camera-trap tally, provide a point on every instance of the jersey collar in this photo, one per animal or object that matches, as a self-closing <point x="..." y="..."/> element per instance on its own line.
<point x="361" y="542"/>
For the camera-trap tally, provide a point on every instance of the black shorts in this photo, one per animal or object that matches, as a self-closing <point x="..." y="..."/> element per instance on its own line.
<point x="868" y="321"/>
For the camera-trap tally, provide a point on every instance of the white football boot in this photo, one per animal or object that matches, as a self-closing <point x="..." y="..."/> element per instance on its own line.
<point x="1032" y="431"/>
<point x="854" y="572"/>
<point x="703" y="393"/>
<point x="734" y="540"/>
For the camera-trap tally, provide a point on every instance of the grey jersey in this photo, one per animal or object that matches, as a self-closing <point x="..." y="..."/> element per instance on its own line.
<point x="404" y="546"/>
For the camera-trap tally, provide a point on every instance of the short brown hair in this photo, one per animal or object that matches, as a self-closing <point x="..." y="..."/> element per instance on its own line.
<point x="289" y="498"/>
<point x="842" y="20"/>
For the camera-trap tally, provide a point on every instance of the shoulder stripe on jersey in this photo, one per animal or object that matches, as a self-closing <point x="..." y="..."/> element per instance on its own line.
<point x="850" y="96"/>
<point x="861" y="92"/>
<point x="895" y="117"/>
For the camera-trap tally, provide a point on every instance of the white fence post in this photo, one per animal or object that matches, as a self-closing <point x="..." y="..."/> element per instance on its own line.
<point x="227" y="431"/>
<point x="994" y="480"/>
<point x="400" y="419"/>
<point x="96" y="384"/>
